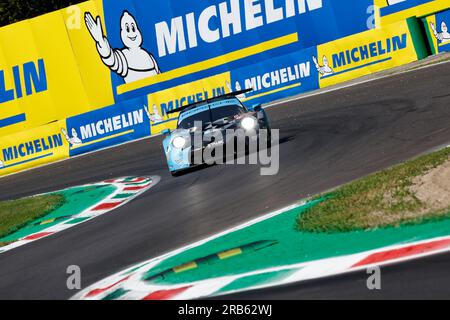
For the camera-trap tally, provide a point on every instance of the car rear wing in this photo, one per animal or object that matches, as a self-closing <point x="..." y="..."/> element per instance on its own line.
<point x="227" y="95"/>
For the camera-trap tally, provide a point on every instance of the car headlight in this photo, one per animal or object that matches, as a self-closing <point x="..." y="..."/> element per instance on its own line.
<point x="179" y="142"/>
<point x="248" y="123"/>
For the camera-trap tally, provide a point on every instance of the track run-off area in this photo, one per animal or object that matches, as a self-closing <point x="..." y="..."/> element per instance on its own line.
<point x="326" y="140"/>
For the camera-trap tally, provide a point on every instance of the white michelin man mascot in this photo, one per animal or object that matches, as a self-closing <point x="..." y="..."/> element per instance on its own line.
<point x="444" y="35"/>
<point x="324" y="70"/>
<point x="74" y="140"/>
<point x="132" y="62"/>
<point x="1" y="164"/>
<point x="230" y="88"/>
<point x="154" y="117"/>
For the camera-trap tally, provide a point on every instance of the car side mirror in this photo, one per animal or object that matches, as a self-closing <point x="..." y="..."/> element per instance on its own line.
<point x="166" y="131"/>
<point x="257" y="107"/>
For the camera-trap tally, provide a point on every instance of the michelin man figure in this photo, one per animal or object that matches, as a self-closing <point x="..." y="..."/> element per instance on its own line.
<point x="132" y="62"/>
<point x="324" y="70"/>
<point x="74" y="140"/>
<point x="444" y="35"/>
<point x="230" y="88"/>
<point x="154" y="117"/>
<point x="1" y="164"/>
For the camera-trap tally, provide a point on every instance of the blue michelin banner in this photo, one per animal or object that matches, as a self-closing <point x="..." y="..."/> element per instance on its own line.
<point x="277" y="78"/>
<point x="124" y="121"/>
<point x="149" y="38"/>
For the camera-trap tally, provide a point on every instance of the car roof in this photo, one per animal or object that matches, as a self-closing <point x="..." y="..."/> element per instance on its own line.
<point x="231" y="95"/>
<point x="206" y="105"/>
<point x="211" y="103"/>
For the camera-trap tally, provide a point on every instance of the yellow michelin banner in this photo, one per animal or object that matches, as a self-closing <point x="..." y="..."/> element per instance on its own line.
<point x="391" y="11"/>
<point x="435" y="43"/>
<point x="33" y="147"/>
<point x="49" y="70"/>
<point x="42" y="81"/>
<point x="162" y="102"/>
<point x="365" y="53"/>
<point x="436" y="27"/>
<point x="95" y="77"/>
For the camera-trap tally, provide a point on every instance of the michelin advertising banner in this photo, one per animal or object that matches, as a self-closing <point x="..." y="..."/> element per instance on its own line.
<point x="300" y="71"/>
<point x="154" y="45"/>
<point x="391" y="11"/>
<point x="368" y="52"/>
<point x="39" y="78"/>
<point x="33" y="147"/>
<point x="272" y="79"/>
<point x="124" y="121"/>
<point x="437" y="27"/>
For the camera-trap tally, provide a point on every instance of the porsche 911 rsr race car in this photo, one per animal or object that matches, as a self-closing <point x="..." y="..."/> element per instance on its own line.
<point x="213" y="120"/>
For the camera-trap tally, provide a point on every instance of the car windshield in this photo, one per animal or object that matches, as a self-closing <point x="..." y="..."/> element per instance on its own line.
<point x="226" y="112"/>
<point x="216" y="114"/>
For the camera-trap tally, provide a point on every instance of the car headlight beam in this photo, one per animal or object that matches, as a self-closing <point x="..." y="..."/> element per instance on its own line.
<point x="248" y="123"/>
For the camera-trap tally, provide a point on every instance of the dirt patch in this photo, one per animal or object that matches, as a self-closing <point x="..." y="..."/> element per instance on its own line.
<point x="433" y="188"/>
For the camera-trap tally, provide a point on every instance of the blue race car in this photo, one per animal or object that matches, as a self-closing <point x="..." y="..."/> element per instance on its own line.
<point x="212" y="120"/>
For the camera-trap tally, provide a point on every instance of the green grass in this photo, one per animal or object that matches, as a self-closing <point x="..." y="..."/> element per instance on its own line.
<point x="15" y="214"/>
<point x="384" y="199"/>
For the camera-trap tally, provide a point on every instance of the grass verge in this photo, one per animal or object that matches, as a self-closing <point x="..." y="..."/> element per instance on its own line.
<point x="15" y="214"/>
<point x="385" y="199"/>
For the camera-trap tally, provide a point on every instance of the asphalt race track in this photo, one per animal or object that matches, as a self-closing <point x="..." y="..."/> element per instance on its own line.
<point x="326" y="140"/>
